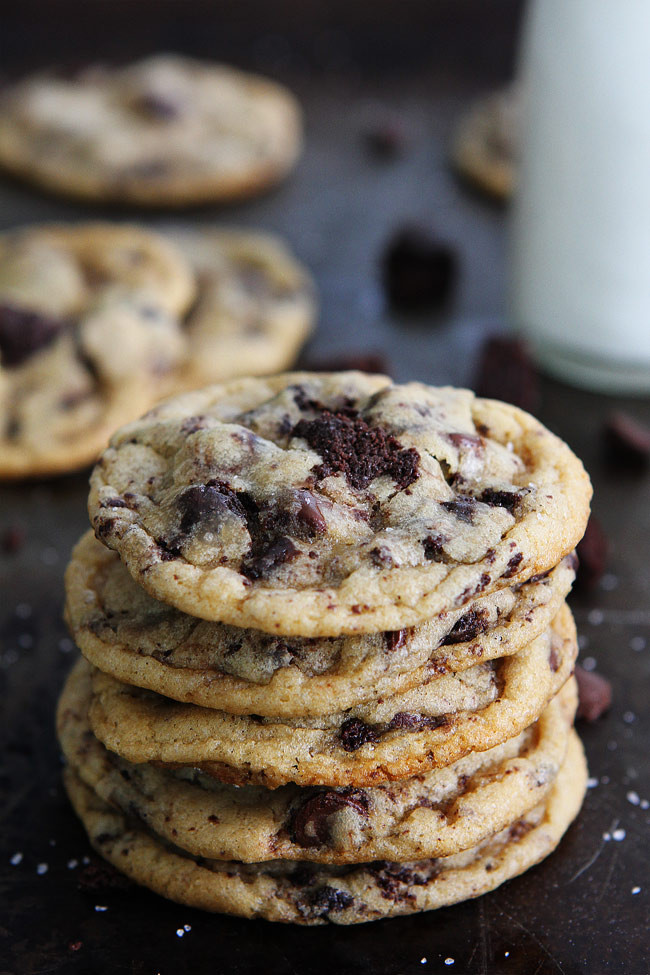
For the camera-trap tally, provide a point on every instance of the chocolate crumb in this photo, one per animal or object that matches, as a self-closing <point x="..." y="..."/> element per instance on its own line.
<point x="594" y="694"/>
<point x="433" y="548"/>
<point x="418" y="270"/>
<point x="506" y="372"/>
<point x="24" y="332"/>
<point x="327" y="900"/>
<point x="627" y="441"/>
<point x="500" y="499"/>
<point x="513" y="566"/>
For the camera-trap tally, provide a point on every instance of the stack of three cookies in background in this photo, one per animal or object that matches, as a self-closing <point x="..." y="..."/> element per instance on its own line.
<point x="328" y="660"/>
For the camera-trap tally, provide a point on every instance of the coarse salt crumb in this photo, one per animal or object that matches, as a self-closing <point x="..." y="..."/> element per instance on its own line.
<point x="42" y="868"/>
<point x="636" y="890"/>
<point x="609" y="582"/>
<point x="423" y="961"/>
<point x="637" y="643"/>
<point x="589" y="663"/>
<point x="507" y="954"/>
<point x="592" y="783"/>
<point x="100" y="908"/>
<point x="65" y="645"/>
<point x="633" y="798"/>
<point x="449" y="961"/>
<point x="607" y="837"/>
<point x="187" y="927"/>
<point x="49" y="556"/>
<point x="72" y="864"/>
<point x="595" y="617"/>
<point x="16" y="859"/>
<point x="179" y="932"/>
<point x="644" y="804"/>
<point x="604" y="780"/>
<point x="618" y="835"/>
<point x="86" y="861"/>
<point x="629" y="717"/>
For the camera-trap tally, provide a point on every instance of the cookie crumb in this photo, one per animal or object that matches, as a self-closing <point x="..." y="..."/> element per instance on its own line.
<point x="100" y="908"/>
<point x="619" y="835"/>
<point x="636" y="890"/>
<point x="449" y="961"/>
<point x="72" y="864"/>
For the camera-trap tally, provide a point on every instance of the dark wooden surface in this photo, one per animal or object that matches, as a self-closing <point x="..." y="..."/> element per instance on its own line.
<point x="577" y="911"/>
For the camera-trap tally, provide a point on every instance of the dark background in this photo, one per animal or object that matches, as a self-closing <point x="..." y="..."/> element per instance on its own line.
<point x="352" y="65"/>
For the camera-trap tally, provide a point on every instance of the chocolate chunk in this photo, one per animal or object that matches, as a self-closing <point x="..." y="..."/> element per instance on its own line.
<point x="203" y="501"/>
<point x="594" y="694"/>
<point x="162" y="108"/>
<point x="627" y="441"/>
<point x="396" y="879"/>
<point x="395" y="639"/>
<point x="418" y="270"/>
<point x="433" y="548"/>
<point x="261" y="563"/>
<point x="327" y="900"/>
<point x="408" y="721"/>
<point x="592" y="555"/>
<point x="467" y="442"/>
<point x="310" y="824"/>
<point x="350" y="446"/>
<point x="24" y="332"/>
<point x="354" y="733"/>
<point x="505" y="372"/>
<point x="513" y="566"/>
<point x="500" y="499"/>
<point x="463" y="508"/>
<point x="385" y="139"/>
<point x="13" y="539"/>
<point x="380" y="556"/>
<point x="297" y="513"/>
<point x="374" y="362"/>
<point x="468" y="627"/>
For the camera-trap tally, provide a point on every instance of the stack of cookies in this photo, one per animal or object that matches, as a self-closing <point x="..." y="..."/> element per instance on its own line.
<point x="327" y="657"/>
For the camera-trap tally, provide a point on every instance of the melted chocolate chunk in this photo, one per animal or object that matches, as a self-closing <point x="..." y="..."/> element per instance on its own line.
<point x="592" y="555"/>
<point x="348" y="445"/>
<point x="433" y="548"/>
<point x="24" y="332"/>
<point x="310" y="824"/>
<point x="261" y="563"/>
<point x="328" y="900"/>
<point x="463" y="508"/>
<point x="500" y="499"/>
<point x="298" y="514"/>
<point x="506" y="372"/>
<point x="354" y="733"/>
<point x="395" y="639"/>
<point x="594" y="694"/>
<point x="513" y="566"/>
<point x="468" y="627"/>
<point x="418" y="270"/>
<point x="202" y="501"/>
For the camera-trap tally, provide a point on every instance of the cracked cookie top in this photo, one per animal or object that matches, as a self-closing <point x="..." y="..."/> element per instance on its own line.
<point x="317" y="505"/>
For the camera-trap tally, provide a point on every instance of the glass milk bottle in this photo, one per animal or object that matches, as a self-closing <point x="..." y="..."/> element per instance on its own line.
<point x="580" y="255"/>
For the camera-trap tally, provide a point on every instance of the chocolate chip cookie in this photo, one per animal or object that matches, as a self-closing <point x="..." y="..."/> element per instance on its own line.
<point x="485" y="149"/>
<point x="325" y="504"/>
<point x="165" y="131"/>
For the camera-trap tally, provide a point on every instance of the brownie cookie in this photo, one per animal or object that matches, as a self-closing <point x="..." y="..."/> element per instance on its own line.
<point x="485" y="149"/>
<point x="390" y="738"/>
<point x="431" y="815"/>
<point x="166" y="131"/>
<point x="89" y="338"/>
<point x="139" y="640"/>
<point x="312" y="894"/>
<point x="323" y="504"/>
<point x="255" y="307"/>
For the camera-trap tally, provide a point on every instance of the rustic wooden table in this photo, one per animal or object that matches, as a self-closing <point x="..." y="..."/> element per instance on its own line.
<point x="586" y="909"/>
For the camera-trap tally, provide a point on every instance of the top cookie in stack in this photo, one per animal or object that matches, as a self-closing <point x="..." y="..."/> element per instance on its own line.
<point x="346" y="596"/>
<point x="320" y="505"/>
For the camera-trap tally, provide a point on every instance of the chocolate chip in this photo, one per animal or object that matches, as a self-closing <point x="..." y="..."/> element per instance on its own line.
<point x="519" y="829"/>
<point x="354" y="733"/>
<point x="468" y="627"/>
<point x="592" y="555"/>
<point x="500" y="499"/>
<point x="310" y="824"/>
<point x="627" y="441"/>
<point x="374" y="362"/>
<point x="162" y="108"/>
<point x="385" y="139"/>
<point x="24" y="332"/>
<point x="13" y="539"/>
<point x="463" y="508"/>
<point x="395" y="639"/>
<point x="202" y="501"/>
<point x="594" y="694"/>
<point x="505" y="372"/>
<point x="433" y="548"/>
<point x="260" y="564"/>
<point x="328" y="900"/>
<point x="408" y="721"/>
<point x="513" y="566"/>
<point x="350" y="446"/>
<point x="418" y="270"/>
<point x="297" y="513"/>
<point x="380" y="556"/>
